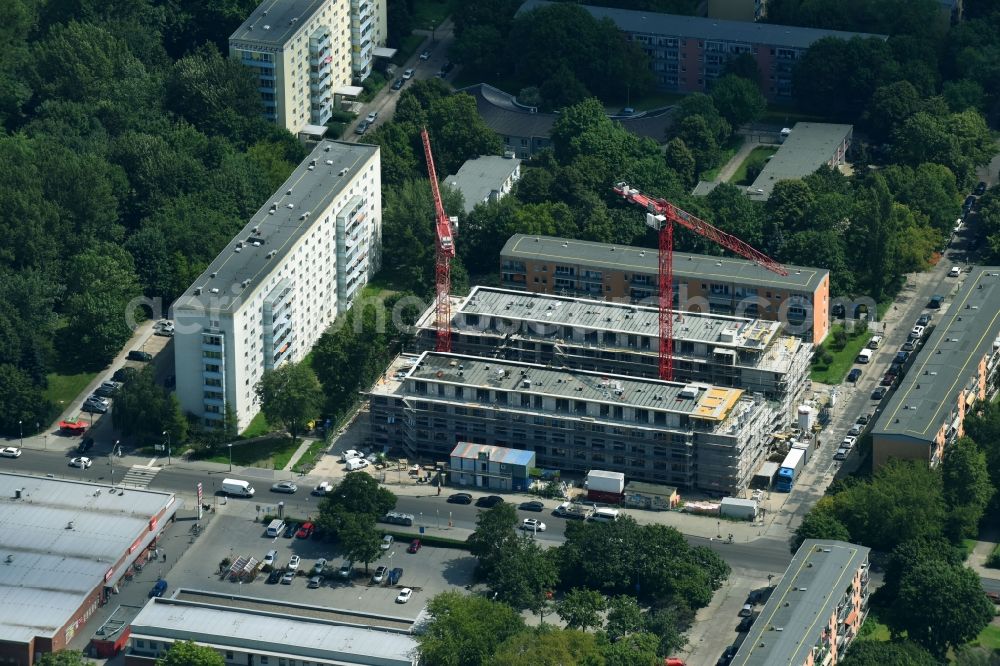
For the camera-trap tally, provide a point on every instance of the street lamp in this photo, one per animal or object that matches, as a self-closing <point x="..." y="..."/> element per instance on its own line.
<point x="230" y="447"/>
<point x="167" y="435"/>
<point x="433" y="28"/>
<point x="20" y="427"/>
<point x="111" y="459"/>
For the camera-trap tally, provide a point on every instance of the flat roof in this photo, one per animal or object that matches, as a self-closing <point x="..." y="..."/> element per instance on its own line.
<point x="807" y="148"/>
<point x="540" y="311"/>
<point x="710" y="403"/>
<point x="498" y="454"/>
<point x="655" y="489"/>
<point x="479" y="177"/>
<point x="966" y="331"/>
<point x="273" y="633"/>
<point x="673" y="25"/>
<point x="645" y="260"/>
<point x="244" y="264"/>
<point x="58" y="543"/>
<point x="274" y="22"/>
<point x="801" y="603"/>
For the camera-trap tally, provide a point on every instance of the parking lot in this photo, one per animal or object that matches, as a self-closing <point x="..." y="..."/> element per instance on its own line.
<point x="230" y="535"/>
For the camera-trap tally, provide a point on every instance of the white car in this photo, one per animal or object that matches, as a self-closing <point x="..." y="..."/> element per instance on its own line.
<point x="323" y="488"/>
<point x="917" y="332"/>
<point x="404" y="595"/>
<point x="371" y="117"/>
<point x="10" y="452"/>
<point x="81" y="462"/>
<point x="426" y="54"/>
<point x="386" y="542"/>
<point x="349" y="454"/>
<point x="849" y="441"/>
<point x="533" y="525"/>
<point x="293" y="564"/>
<point x="955" y="271"/>
<point x="408" y="74"/>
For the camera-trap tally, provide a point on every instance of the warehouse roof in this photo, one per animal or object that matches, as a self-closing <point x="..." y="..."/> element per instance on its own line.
<point x="644" y="260"/>
<point x="499" y="454"/>
<point x="274" y="22"/>
<point x="478" y="178"/>
<point x="967" y="331"/>
<point x="273" y="633"/>
<point x="60" y="542"/>
<point x="801" y="604"/>
<point x="540" y="312"/>
<point x="807" y="148"/>
<point x="672" y="25"/>
<point x="268" y="237"/>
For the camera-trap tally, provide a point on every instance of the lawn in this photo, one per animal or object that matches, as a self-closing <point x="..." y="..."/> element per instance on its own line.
<point x="988" y="638"/>
<point x="271" y="453"/>
<point x="757" y="158"/>
<point x="842" y="359"/>
<point x="308" y="459"/>
<point x="258" y="426"/>
<point x="64" y="389"/>
<point x="728" y="151"/>
<point x="431" y="13"/>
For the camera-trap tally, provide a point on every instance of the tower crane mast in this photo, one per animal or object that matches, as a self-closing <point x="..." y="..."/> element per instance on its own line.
<point x="661" y="215"/>
<point x="444" y="252"/>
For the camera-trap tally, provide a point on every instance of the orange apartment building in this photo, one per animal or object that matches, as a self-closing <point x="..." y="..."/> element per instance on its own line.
<point x="815" y="610"/>
<point x="956" y="368"/>
<point x="702" y="283"/>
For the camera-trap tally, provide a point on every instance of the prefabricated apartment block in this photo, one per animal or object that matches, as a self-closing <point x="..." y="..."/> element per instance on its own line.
<point x="688" y="435"/>
<point x="720" y="285"/>
<point x="618" y="338"/>
<point x="270" y="294"/>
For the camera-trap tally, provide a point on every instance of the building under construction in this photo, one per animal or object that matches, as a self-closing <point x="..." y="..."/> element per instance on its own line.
<point x="618" y="338"/>
<point x="672" y="433"/>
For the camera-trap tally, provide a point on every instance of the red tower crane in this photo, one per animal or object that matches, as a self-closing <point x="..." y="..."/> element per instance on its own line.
<point x="661" y="216"/>
<point x="445" y="250"/>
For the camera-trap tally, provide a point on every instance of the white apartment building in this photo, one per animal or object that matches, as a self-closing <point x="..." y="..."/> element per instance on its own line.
<point x="307" y="54"/>
<point x="280" y="282"/>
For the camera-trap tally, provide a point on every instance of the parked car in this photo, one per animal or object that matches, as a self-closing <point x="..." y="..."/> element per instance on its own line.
<point x="305" y="531"/>
<point x="532" y="525"/>
<point x="319" y="566"/>
<point x="924" y="319"/>
<point x="854" y="375"/>
<point x="386" y="542"/>
<point x="287" y="487"/>
<point x="371" y="117"/>
<point x="81" y="462"/>
<point x="863" y="419"/>
<point x="909" y="345"/>
<point x="970" y="201"/>
<point x="918" y="331"/>
<point x="935" y="302"/>
<point x="86" y="444"/>
<point x="345" y="569"/>
<point x="398" y="84"/>
<point x="291" y="530"/>
<point x="414" y="546"/>
<point x="404" y="595"/>
<point x="288" y="578"/>
<point x="901" y="356"/>
<point x="460" y="498"/>
<point x="841" y="454"/>
<point x="727" y="656"/>
<point x="426" y="54"/>
<point x="747" y="610"/>
<point x="164" y="327"/>
<point x="158" y="589"/>
<point x="395" y="575"/>
<point x="380" y="574"/>
<point x="955" y="271"/>
<point x="489" y="501"/>
<point x="293" y="563"/>
<point x="107" y="389"/>
<point x="849" y="441"/>
<point x="139" y="355"/>
<point x="94" y="408"/>
<point x="124" y="374"/>
<point x="534" y="505"/>
<point x="10" y="452"/>
<point x="408" y="74"/>
<point x="274" y="577"/>
<point x="323" y="488"/>
<point x="270" y="558"/>
<point x="362" y="127"/>
<point x="879" y="392"/>
<point x="349" y="454"/>
<point x="855" y="430"/>
<point x="314" y="582"/>
<point x="980" y="189"/>
<point x="745" y="624"/>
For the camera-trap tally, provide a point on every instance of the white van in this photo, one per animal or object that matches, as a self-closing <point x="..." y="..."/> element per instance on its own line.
<point x="865" y="356"/>
<point x="875" y="342"/>
<point x="237" y="488"/>
<point x="605" y="515"/>
<point x="275" y="527"/>
<point x="354" y="464"/>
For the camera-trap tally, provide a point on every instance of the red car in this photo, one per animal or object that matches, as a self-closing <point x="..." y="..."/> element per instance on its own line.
<point x="414" y="546"/>
<point x="305" y="531"/>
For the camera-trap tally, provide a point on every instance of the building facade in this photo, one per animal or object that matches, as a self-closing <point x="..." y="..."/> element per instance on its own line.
<point x="815" y="611"/>
<point x="308" y="53"/>
<point x="808" y="147"/>
<point x="622" y="339"/>
<point x="702" y="283"/>
<point x="490" y="467"/>
<point x="957" y="368"/>
<point x="485" y="179"/>
<point x="269" y="295"/>
<point x="688" y="53"/>
<point x="687" y="435"/>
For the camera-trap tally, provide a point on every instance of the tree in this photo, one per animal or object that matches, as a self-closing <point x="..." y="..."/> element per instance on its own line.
<point x="548" y="646"/>
<point x="522" y="574"/>
<point x="966" y="487"/>
<point x="669" y="623"/>
<point x="624" y="617"/>
<point x="820" y="523"/>
<point x="290" y="395"/>
<point x="360" y="494"/>
<point x="738" y="100"/>
<point x="23" y="401"/>
<point x="879" y="653"/>
<point x="62" y="658"/>
<point x="494" y="533"/>
<point x="889" y="107"/>
<point x="360" y="537"/>
<point x="940" y="606"/>
<point x="581" y="608"/>
<point x="821" y="82"/>
<point x="639" y="649"/>
<point x="466" y="630"/>
<point x="910" y="554"/>
<point x="188" y="653"/>
<point x="681" y="160"/>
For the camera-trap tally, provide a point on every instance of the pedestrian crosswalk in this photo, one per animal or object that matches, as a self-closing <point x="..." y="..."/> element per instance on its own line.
<point x="140" y="476"/>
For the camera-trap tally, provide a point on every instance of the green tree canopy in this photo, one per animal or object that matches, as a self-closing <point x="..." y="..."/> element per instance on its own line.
<point x="581" y="608"/>
<point x="466" y="630"/>
<point x="879" y="653"/>
<point x="62" y="658"/>
<point x="290" y="395"/>
<point x="188" y="653"/>
<point x="548" y="646"/>
<point x="966" y="487"/>
<point x="738" y="99"/>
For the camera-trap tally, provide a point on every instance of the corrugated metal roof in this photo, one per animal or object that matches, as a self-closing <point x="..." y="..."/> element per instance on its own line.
<point x="58" y="542"/>
<point x="498" y="454"/>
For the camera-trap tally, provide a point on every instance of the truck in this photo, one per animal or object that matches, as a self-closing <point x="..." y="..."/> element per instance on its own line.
<point x="237" y="488"/>
<point x="575" y="510"/>
<point x="790" y="468"/>
<point x="805" y="447"/>
<point x="605" y="486"/>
